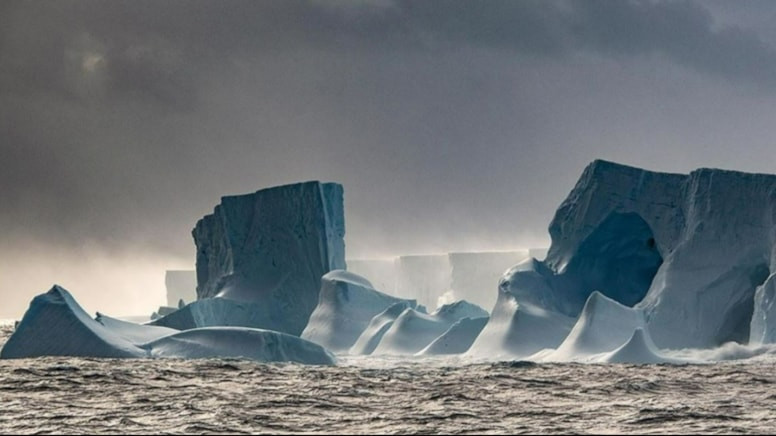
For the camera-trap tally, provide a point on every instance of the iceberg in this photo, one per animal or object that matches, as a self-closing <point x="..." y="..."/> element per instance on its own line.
<point x="246" y="343"/>
<point x="136" y="334"/>
<point x="423" y="277"/>
<point x="689" y="251"/>
<point x="519" y="330"/>
<point x="639" y="349"/>
<point x="473" y="274"/>
<point x="56" y="325"/>
<point x="436" y="279"/>
<point x="271" y="248"/>
<point x="763" y="325"/>
<point x="370" y="338"/>
<point x="457" y="339"/>
<point x="347" y="303"/>
<point x="603" y="326"/>
<point x="413" y="330"/>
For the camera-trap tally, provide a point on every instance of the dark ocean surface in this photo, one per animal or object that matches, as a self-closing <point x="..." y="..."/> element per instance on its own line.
<point x="75" y="395"/>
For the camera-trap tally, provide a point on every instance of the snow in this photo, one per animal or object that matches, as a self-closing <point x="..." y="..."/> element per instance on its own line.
<point x="56" y="325"/>
<point x="603" y="326"/>
<point x="232" y="342"/>
<point x="223" y="312"/>
<point x="134" y="333"/>
<point x="373" y="333"/>
<point x="639" y="349"/>
<point x="271" y="248"/>
<point x="181" y="285"/>
<point x="347" y="304"/>
<point x="412" y="330"/>
<point x="517" y="331"/>
<point x="457" y="339"/>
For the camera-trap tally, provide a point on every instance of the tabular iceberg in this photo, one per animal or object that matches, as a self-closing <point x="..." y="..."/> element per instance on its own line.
<point x="55" y="325"/>
<point x="347" y="303"/>
<point x="437" y="279"/>
<point x="687" y="250"/>
<point x="271" y="248"/>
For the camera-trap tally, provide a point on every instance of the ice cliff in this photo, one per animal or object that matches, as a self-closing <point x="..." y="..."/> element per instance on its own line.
<point x="687" y="251"/>
<point x="271" y="248"/>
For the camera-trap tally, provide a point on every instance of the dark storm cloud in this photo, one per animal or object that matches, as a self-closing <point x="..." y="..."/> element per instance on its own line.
<point x="154" y="50"/>
<point x="452" y="124"/>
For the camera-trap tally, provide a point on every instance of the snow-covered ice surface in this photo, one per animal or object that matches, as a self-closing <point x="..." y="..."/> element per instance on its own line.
<point x="381" y="395"/>
<point x="457" y="339"/>
<point x="373" y="333"/>
<point x="347" y="303"/>
<point x="413" y="330"/>
<point x="56" y="325"/>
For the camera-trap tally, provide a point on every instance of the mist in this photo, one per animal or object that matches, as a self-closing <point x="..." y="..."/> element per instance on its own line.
<point x="451" y="127"/>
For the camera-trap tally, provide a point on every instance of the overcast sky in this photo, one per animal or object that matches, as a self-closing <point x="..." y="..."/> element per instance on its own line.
<point x="453" y="125"/>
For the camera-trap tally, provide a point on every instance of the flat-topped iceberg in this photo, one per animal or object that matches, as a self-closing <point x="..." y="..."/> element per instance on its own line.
<point x="688" y="251"/>
<point x="56" y="325"/>
<point x="271" y="248"/>
<point x="347" y="303"/>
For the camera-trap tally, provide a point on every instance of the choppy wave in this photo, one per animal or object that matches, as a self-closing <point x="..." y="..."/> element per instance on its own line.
<point x="69" y="395"/>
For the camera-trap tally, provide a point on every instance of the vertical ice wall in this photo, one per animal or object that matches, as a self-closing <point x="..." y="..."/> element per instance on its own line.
<point x="424" y="278"/>
<point x="689" y="250"/>
<point x="474" y="275"/>
<point x="272" y="247"/>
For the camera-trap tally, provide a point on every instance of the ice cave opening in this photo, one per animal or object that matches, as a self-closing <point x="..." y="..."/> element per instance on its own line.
<point x="619" y="258"/>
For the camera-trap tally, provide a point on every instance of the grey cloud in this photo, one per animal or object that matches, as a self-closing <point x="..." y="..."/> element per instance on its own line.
<point x="453" y="124"/>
